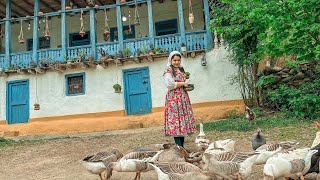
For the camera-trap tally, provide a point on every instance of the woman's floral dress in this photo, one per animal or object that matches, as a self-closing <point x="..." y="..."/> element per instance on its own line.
<point x="179" y="118"/>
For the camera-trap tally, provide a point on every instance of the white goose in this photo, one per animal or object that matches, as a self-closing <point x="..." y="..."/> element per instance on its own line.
<point x="294" y="164"/>
<point x="181" y="171"/>
<point x="97" y="163"/>
<point x="228" y="164"/>
<point x="267" y="150"/>
<point x="221" y="146"/>
<point x="133" y="162"/>
<point x="201" y="140"/>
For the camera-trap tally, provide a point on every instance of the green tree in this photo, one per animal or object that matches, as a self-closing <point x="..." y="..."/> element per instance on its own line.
<point x="254" y="29"/>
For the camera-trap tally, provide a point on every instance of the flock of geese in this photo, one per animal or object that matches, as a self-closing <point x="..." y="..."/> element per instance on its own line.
<point x="213" y="161"/>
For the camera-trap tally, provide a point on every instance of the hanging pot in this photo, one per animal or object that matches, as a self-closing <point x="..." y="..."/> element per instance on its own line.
<point x="21" y="41"/>
<point x="123" y="1"/>
<point x="82" y="33"/>
<point x="117" y="88"/>
<point x="68" y="8"/>
<point x="36" y="106"/>
<point x="47" y="35"/>
<point x="106" y="33"/>
<point x="90" y="3"/>
<point x="191" y="18"/>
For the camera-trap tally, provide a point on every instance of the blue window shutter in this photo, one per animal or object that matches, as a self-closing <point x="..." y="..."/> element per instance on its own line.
<point x="126" y="33"/>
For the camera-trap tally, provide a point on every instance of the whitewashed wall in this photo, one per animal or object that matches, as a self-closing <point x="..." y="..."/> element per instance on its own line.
<point x="161" y="12"/>
<point x="210" y="85"/>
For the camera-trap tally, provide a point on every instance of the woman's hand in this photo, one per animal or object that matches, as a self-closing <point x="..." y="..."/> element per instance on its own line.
<point x="185" y="84"/>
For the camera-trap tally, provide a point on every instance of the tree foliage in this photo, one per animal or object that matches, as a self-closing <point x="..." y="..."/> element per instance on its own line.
<point x="254" y="29"/>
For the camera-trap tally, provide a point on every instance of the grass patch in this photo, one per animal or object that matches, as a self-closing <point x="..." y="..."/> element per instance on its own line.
<point x="240" y="123"/>
<point x="5" y="142"/>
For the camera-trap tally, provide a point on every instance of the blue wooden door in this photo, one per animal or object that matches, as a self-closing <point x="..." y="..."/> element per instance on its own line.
<point x="17" y="101"/>
<point x="137" y="91"/>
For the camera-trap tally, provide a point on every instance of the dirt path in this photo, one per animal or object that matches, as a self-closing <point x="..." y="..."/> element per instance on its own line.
<point x="61" y="159"/>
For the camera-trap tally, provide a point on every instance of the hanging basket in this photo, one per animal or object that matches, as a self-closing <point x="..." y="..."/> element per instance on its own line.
<point x="106" y="33"/>
<point x="82" y="33"/>
<point x="36" y="106"/>
<point x="117" y="88"/>
<point x="21" y="41"/>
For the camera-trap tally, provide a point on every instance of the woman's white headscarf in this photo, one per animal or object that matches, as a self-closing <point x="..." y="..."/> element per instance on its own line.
<point x="170" y="57"/>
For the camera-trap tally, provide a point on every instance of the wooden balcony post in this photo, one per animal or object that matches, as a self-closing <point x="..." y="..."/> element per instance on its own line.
<point x="8" y="33"/>
<point x="181" y="22"/>
<point x="64" y="39"/>
<point x="207" y="23"/>
<point x="93" y="35"/>
<point x="119" y="26"/>
<point x="151" y="23"/>
<point x="35" y="44"/>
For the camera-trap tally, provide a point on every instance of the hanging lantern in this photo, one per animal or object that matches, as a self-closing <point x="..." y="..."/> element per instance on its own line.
<point x="21" y="37"/>
<point x="136" y="14"/>
<point x="82" y="32"/>
<point x="191" y="16"/>
<point x="29" y="26"/>
<point x="90" y="3"/>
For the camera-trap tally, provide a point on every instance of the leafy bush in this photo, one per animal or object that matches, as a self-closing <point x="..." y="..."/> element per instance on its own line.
<point x="303" y="101"/>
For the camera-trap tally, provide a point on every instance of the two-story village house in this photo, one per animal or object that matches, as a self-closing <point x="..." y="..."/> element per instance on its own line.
<point x="61" y="60"/>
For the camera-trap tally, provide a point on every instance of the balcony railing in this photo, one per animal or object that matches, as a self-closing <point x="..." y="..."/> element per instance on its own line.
<point x="195" y="41"/>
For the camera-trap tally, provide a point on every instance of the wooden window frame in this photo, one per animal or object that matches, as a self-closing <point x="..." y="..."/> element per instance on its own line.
<point x="67" y="76"/>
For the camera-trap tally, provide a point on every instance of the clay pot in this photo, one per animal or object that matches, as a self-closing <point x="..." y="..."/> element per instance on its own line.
<point x="123" y="1"/>
<point x="68" y="8"/>
<point x="82" y="33"/>
<point x="104" y="58"/>
<point x="40" y="12"/>
<point x="91" y="59"/>
<point x="106" y="33"/>
<point x="36" y="107"/>
<point x="21" y="41"/>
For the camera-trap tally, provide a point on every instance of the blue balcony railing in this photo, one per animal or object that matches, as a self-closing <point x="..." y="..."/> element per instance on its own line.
<point x="111" y="48"/>
<point x="195" y="41"/>
<point x="21" y="60"/>
<point x="169" y="42"/>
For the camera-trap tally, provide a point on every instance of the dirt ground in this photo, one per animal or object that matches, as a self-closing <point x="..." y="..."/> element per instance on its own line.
<point x="61" y="157"/>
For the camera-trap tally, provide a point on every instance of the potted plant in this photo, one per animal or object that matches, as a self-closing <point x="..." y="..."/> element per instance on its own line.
<point x="126" y="52"/>
<point x="151" y="51"/>
<point x="187" y="75"/>
<point x="104" y="54"/>
<point x="144" y="50"/>
<point x="183" y="47"/>
<point x="117" y="88"/>
<point x="36" y="106"/>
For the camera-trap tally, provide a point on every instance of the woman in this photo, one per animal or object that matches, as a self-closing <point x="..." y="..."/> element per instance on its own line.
<point x="179" y="118"/>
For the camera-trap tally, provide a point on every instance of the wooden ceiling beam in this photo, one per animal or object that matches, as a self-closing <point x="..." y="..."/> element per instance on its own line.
<point x="13" y="11"/>
<point x="100" y="3"/>
<point x="29" y="4"/>
<point x="22" y="8"/>
<point x="48" y="6"/>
